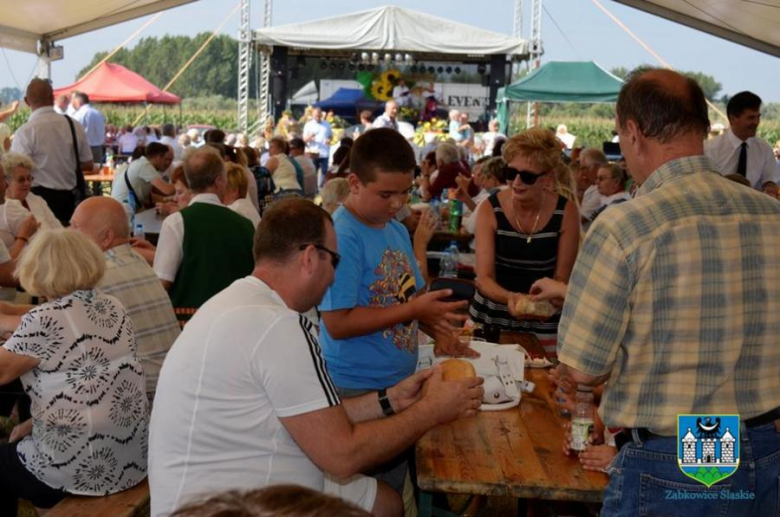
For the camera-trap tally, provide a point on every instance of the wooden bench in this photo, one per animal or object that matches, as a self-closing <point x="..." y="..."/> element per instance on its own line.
<point x="130" y="503"/>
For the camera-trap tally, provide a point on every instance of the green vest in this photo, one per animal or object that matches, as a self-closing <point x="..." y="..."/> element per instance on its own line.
<point x="217" y="250"/>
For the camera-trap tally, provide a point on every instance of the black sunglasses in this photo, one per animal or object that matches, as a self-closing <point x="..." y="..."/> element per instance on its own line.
<point x="527" y="177"/>
<point x="335" y="258"/>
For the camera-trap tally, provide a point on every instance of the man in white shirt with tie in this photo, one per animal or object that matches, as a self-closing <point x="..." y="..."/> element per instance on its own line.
<point x="739" y="150"/>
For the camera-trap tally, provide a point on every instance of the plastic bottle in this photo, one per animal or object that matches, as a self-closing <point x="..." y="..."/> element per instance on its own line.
<point x="139" y="231"/>
<point x="582" y="419"/>
<point x="448" y="267"/>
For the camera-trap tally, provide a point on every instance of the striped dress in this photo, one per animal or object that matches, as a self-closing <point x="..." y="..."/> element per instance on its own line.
<point x="518" y="265"/>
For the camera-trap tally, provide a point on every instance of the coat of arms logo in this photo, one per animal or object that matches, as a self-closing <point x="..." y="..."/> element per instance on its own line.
<point x="708" y="446"/>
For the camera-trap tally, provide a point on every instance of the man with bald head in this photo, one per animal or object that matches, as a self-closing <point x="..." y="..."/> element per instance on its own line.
<point x="48" y="139"/>
<point x="674" y="300"/>
<point x="206" y="246"/>
<point x="130" y="279"/>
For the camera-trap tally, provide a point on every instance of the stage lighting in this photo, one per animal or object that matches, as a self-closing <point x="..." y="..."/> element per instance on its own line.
<point x="342" y="65"/>
<point x="374" y="58"/>
<point x="364" y="57"/>
<point x="414" y="69"/>
<point x="440" y="69"/>
<point x="324" y="65"/>
<point x="370" y="68"/>
<point x="481" y="69"/>
<point x="351" y="66"/>
<point x="408" y="58"/>
<point x="388" y="58"/>
<point x="431" y="70"/>
<point x="449" y="69"/>
<point x="332" y="65"/>
<point x="399" y="58"/>
<point x="361" y="67"/>
<point x="457" y="69"/>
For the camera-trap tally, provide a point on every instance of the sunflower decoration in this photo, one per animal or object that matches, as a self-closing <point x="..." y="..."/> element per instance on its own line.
<point x="382" y="90"/>
<point x="391" y="76"/>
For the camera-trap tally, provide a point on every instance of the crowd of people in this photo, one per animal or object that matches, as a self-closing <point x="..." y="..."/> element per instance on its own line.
<point x="265" y="340"/>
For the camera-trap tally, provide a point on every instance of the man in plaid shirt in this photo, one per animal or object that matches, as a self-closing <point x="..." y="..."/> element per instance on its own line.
<point x="674" y="302"/>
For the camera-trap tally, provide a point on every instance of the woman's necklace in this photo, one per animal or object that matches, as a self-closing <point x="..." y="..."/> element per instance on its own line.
<point x="517" y="221"/>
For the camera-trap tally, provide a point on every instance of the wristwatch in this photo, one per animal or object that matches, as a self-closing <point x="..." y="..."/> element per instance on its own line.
<point x="387" y="409"/>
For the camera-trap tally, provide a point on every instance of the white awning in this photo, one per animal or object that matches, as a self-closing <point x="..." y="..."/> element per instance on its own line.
<point x="26" y="22"/>
<point x="755" y="24"/>
<point x="392" y="29"/>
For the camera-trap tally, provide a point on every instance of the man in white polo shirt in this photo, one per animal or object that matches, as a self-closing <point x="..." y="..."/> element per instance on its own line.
<point x="244" y="399"/>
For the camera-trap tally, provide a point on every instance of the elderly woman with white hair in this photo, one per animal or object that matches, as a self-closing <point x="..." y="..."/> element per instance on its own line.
<point x="19" y="176"/>
<point x="76" y="357"/>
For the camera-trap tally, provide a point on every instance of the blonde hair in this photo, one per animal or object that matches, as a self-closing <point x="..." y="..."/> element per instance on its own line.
<point x="537" y="145"/>
<point x="236" y="179"/>
<point x="565" y="184"/>
<point x="59" y="262"/>
<point x="13" y="160"/>
<point x="334" y="191"/>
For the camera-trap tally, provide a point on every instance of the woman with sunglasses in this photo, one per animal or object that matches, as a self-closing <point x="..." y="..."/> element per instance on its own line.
<point x="524" y="233"/>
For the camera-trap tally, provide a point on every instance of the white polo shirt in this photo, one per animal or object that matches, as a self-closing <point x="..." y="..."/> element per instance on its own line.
<point x="46" y="138"/>
<point x="243" y="361"/>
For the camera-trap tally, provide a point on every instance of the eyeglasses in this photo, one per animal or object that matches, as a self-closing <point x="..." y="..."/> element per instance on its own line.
<point x="335" y="258"/>
<point x="527" y="177"/>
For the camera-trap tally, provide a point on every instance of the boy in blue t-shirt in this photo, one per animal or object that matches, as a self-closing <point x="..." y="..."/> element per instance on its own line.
<point x="370" y="313"/>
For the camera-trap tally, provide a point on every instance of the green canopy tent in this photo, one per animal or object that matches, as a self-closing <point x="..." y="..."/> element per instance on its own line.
<point x="560" y="81"/>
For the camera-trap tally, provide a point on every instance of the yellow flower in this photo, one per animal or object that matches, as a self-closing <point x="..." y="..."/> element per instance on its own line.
<point x="391" y="76"/>
<point x="381" y="90"/>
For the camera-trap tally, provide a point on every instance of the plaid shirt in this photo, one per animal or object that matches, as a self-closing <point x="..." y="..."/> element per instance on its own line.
<point x="130" y="279"/>
<point x="676" y="295"/>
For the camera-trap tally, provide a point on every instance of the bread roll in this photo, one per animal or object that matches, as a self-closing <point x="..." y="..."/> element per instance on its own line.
<point x="534" y="310"/>
<point x="454" y="369"/>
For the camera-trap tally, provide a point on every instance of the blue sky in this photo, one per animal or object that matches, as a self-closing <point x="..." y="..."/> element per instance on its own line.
<point x="589" y="35"/>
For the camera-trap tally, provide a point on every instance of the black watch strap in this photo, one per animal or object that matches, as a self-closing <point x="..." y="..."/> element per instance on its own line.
<point x="387" y="409"/>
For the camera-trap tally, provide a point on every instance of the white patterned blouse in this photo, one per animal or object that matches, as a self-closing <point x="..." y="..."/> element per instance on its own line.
<point x="89" y="407"/>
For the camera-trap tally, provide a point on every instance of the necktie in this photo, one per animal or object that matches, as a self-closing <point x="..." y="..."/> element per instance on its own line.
<point x="742" y="164"/>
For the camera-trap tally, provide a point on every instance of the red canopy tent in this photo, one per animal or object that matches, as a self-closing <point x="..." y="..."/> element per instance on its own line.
<point x="115" y="83"/>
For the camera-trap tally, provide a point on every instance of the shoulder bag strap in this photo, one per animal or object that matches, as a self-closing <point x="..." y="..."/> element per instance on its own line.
<point x="81" y="184"/>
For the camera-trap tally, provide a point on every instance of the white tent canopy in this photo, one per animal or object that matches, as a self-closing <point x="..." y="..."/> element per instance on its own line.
<point x="754" y="24"/>
<point x="26" y="23"/>
<point x="392" y="28"/>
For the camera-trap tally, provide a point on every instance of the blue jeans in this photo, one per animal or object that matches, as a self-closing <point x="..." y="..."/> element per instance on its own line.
<point x="646" y="481"/>
<point x="321" y="164"/>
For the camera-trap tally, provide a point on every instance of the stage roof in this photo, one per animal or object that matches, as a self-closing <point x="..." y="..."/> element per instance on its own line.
<point x="392" y="29"/>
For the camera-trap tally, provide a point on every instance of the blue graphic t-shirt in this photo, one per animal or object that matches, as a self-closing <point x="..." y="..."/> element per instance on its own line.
<point x="377" y="269"/>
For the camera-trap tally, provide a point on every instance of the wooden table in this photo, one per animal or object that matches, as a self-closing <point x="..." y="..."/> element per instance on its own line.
<point x="152" y="222"/>
<point x="97" y="181"/>
<point x="512" y="453"/>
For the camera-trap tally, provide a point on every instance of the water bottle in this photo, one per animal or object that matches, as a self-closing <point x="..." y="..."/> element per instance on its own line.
<point x="448" y="267"/>
<point x="139" y="232"/>
<point x="582" y="419"/>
